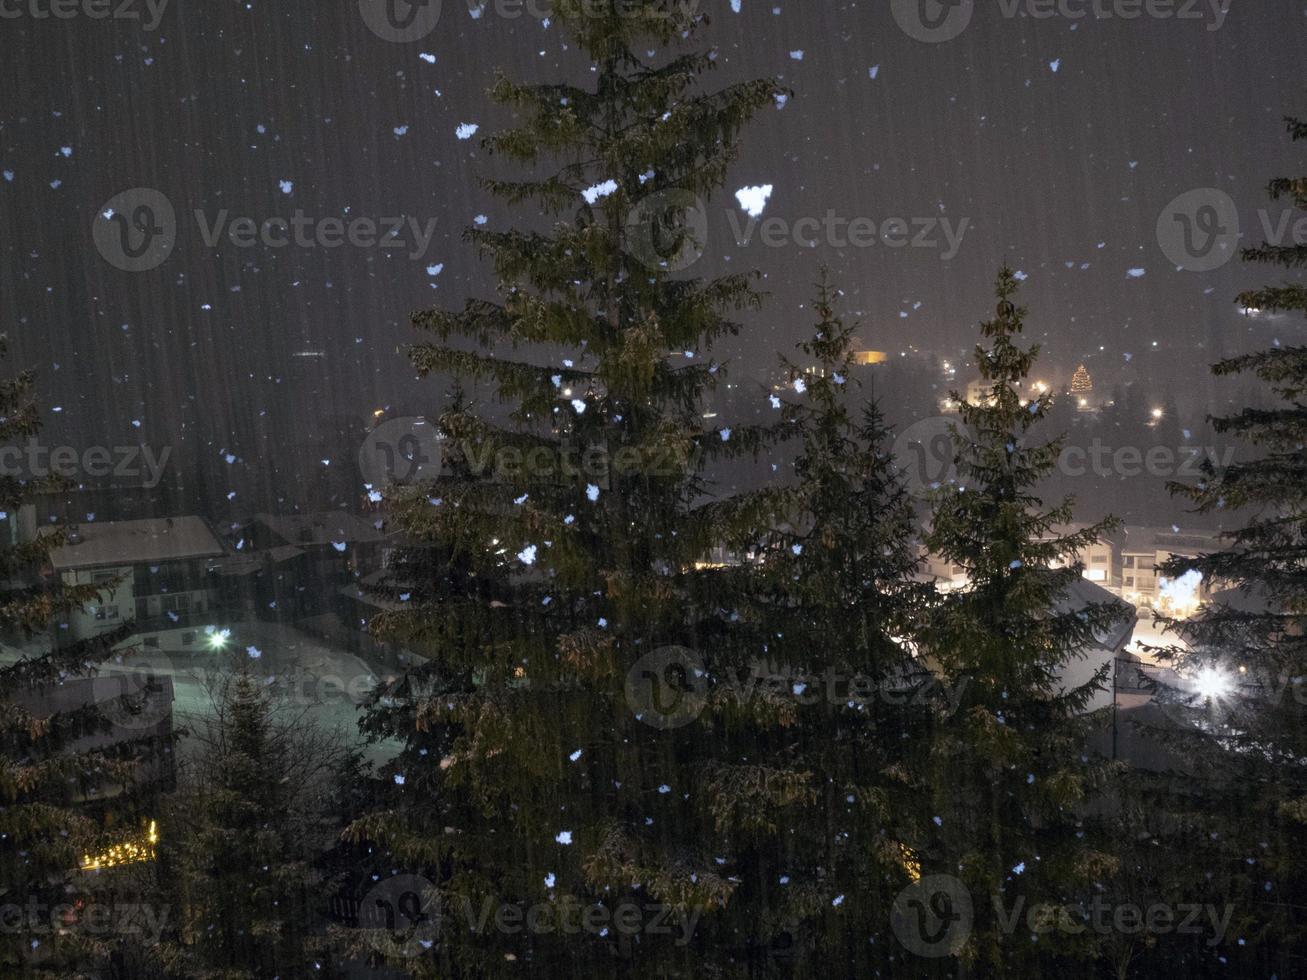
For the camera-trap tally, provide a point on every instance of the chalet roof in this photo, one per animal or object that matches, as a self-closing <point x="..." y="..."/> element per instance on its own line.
<point x="154" y="541"/>
<point x="321" y="528"/>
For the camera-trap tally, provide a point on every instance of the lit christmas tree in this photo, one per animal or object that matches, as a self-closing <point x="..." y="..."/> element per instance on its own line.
<point x="1081" y="382"/>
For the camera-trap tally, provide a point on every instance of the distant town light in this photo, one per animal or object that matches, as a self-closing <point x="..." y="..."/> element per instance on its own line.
<point x="861" y="356"/>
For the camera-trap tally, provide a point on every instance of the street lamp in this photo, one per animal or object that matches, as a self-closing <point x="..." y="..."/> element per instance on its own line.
<point x="1213" y="683"/>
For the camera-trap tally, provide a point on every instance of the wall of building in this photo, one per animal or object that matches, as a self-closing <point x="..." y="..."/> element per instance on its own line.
<point x="170" y="593"/>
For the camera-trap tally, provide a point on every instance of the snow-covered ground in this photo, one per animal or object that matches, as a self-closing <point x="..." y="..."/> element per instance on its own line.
<point x="309" y="676"/>
<point x="324" y="684"/>
<point x="1148" y="634"/>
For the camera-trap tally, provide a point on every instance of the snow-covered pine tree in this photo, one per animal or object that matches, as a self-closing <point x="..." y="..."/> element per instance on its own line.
<point x="1008" y="773"/>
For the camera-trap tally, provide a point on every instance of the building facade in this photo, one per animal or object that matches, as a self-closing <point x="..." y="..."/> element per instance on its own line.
<point x="159" y="573"/>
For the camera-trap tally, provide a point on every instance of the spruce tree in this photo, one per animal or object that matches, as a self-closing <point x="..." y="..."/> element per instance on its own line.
<point x="1007" y="774"/>
<point x="50" y="815"/>
<point x="1247" y="650"/>
<point x="572" y="564"/>
<point x="240" y="867"/>
<point x="835" y="695"/>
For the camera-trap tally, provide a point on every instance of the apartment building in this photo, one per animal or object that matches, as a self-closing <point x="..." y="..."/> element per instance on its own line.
<point x="1097" y="559"/>
<point x="159" y="573"/>
<point x="1141" y="550"/>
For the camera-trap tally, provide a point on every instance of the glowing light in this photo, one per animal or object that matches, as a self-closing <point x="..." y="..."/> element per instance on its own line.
<point x="1180" y="597"/>
<point x="909" y="862"/>
<point x="218" y="639"/>
<point x="1158" y="413"/>
<point x="131" y="851"/>
<point x="1213" y="683"/>
<point x="870" y="357"/>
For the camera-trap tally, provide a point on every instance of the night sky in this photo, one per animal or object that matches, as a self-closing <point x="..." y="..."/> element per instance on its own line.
<point x="1060" y="141"/>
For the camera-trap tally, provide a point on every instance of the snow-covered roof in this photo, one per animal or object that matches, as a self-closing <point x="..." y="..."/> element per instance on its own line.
<point x="1082" y="593"/>
<point x="321" y="528"/>
<point x="1135" y="538"/>
<point x="153" y="541"/>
